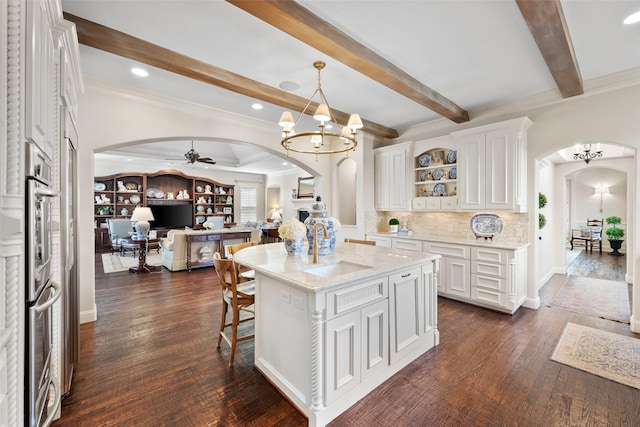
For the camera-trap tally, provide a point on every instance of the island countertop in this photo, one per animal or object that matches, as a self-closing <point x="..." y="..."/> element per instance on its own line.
<point x="273" y="260"/>
<point x="498" y="243"/>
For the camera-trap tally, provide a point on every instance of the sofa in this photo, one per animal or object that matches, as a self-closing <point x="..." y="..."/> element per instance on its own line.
<point x="174" y="247"/>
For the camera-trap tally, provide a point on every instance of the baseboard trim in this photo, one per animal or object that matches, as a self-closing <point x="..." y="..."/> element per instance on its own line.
<point x="89" y="316"/>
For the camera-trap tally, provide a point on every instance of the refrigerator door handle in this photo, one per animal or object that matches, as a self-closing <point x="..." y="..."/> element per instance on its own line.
<point x="56" y="402"/>
<point x="49" y="302"/>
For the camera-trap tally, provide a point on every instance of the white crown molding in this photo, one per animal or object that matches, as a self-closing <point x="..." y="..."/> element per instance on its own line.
<point x="522" y="106"/>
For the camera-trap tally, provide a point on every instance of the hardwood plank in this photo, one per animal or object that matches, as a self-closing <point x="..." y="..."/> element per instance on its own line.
<point x="151" y="360"/>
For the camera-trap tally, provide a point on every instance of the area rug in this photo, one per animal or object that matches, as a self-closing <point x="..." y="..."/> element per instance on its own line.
<point x="606" y="299"/>
<point x="113" y="263"/>
<point x="571" y="255"/>
<point x="612" y="356"/>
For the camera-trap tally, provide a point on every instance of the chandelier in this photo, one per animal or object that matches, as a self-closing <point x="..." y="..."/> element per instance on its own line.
<point x="322" y="141"/>
<point x="587" y="155"/>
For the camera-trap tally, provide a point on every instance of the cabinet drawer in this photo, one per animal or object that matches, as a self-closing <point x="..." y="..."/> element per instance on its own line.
<point x="489" y="269"/>
<point x="419" y="203"/>
<point x="433" y="203"/>
<point x="449" y="203"/>
<point x="487" y="296"/>
<point x="380" y="240"/>
<point x="495" y="283"/>
<point x="489" y="255"/>
<point x="407" y="245"/>
<point x="353" y="297"/>
<point x="446" y="249"/>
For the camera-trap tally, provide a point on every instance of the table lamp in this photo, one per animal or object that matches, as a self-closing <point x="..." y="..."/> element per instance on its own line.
<point x="141" y="216"/>
<point x="275" y="213"/>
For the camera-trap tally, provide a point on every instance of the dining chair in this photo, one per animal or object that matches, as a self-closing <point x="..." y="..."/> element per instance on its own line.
<point x="245" y="275"/>
<point x="361" y="242"/>
<point x="237" y="297"/>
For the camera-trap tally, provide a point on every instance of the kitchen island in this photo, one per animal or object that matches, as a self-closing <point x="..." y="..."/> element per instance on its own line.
<point x="327" y="334"/>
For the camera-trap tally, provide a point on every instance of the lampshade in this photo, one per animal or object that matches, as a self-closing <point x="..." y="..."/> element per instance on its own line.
<point x="275" y="213"/>
<point x="141" y="216"/>
<point x="601" y="190"/>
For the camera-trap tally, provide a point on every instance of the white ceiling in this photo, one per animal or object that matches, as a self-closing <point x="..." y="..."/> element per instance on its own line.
<point x="477" y="53"/>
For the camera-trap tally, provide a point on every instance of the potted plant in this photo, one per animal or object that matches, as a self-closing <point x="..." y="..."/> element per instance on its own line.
<point x="614" y="234"/>
<point x="393" y="225"/>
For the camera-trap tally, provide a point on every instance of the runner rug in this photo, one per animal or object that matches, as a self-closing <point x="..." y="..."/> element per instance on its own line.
<point x="608" y="355"/>
<point x="113" y="263"/>
<point x="606" y="299"/>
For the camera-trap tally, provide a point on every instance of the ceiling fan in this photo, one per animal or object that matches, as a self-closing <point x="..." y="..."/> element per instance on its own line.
<point x="193" y="156"/>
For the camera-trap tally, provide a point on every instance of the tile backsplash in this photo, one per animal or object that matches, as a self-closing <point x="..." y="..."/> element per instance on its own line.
<point x="449" y="224"/>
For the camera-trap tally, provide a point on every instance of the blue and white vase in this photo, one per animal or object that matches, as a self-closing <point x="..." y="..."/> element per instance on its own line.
<point x="318" y="214"/>
<point x="293" y="247"/>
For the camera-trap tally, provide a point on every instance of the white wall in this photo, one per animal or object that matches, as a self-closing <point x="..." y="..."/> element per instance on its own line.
<point x="545" y="258"/>
<point x="110" y="116"/>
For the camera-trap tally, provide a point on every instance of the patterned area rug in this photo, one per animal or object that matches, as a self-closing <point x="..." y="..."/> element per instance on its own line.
<point x="601" y="298"/>
<point x="571" y="255"/>
<point x="601" y="353"/>
<point x="113" y="263"/>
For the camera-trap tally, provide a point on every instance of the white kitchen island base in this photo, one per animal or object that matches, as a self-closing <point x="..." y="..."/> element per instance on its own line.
<point x="326" y="342"/>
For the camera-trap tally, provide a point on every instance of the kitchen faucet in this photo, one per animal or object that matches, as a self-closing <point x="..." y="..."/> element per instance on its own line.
<point x="315" y="239"/>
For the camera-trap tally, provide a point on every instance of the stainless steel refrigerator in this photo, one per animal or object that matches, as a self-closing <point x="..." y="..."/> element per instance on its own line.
<point x="68" y="220"/>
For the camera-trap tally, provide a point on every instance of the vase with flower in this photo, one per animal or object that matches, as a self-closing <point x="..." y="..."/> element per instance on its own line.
<point x="292" y="233"/>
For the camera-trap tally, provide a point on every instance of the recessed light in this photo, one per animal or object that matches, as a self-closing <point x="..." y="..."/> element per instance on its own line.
<point x="284" y="164"/>
<point x="257" y="106"/>
<point x="289" y="85"/>
<point x="633" y="18"/>
<point x="139" y="72"/>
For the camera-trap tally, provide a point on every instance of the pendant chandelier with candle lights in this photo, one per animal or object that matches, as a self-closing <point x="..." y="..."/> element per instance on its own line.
<point x="588" y="155"/>
<point x="323" y="140"/>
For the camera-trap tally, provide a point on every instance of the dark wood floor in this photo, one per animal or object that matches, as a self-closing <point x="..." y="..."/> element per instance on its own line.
<point x="151" y="360"/>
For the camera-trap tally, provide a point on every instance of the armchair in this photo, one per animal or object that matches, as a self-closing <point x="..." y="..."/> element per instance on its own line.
<point x="120" y="230"/>
<point x="589" y="234"/>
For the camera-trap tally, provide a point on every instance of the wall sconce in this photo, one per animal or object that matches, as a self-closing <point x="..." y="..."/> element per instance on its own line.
<point x="601" y="190"/>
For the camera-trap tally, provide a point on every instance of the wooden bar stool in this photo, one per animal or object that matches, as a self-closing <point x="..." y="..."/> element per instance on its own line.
<point x="235" y="296"/>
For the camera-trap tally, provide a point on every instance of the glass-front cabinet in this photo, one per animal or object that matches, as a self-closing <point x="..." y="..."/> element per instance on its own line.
<point x="435" y="175"/>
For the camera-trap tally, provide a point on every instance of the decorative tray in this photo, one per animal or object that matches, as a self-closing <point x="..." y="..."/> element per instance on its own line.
<point x="486" y="225"/>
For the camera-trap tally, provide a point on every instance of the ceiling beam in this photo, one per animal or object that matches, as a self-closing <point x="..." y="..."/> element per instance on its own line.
<point x="546" y="22"/>
<point x="121" y="44"/>
<point x="295" y="20"/>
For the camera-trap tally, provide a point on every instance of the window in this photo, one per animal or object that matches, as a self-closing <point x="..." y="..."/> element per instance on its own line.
<point x="248" y="204"/>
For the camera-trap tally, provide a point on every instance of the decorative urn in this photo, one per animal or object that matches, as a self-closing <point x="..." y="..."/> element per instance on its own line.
<point x="318" y="214"/>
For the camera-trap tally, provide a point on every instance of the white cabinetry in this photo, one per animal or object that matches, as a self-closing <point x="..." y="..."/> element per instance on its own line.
<point x="412" y="310"/>
<point x="493" y="166"/>
<point x="356" y="338"/>
<point x="40" y="72"/>
<point x="498" y="277"/>
<point x="435" y="181"/>
<point x="454" y="268"/>
<point x="391" y="166"/>
<point x="380" y="240"/>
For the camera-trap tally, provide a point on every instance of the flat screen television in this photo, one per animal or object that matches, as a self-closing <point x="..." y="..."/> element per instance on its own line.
<point x="172" y="216"/>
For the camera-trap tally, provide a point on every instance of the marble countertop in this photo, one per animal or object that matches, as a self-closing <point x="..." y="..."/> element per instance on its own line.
<point x="273" y="260"/>
<point x="497" y="243"/>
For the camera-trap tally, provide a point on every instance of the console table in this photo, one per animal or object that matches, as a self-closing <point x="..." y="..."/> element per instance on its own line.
<point x="217" y="236"/>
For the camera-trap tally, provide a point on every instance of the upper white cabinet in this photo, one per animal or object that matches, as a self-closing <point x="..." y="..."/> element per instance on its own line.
<point x="391" y="178"/>
<point x="435" y="180"/>
<point x="492" y="166"/>
<point x="41" y="59"/>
